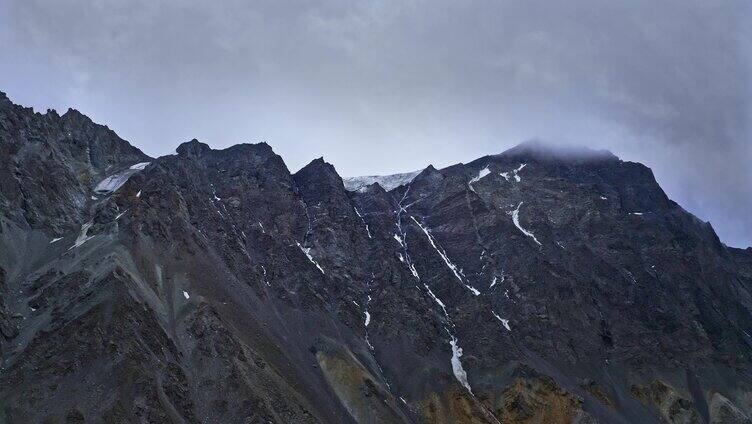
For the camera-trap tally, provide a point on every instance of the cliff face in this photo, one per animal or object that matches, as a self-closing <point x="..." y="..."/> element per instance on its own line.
<point x="214" y="286"/>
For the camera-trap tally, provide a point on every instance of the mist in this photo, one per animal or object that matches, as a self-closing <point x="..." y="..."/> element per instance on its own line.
<point x="384" y="87"/>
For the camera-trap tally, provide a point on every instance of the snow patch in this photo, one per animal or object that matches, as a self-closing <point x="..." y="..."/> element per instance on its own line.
<point x="514" y="173"/>
<point x="496" y="280"/>
<point x="516" y="219"/>
<point x="138" y="194"/>
<point x="459" y="372"/>
<point x="115" y="181"/>
<point x="504" y="322"/>
<point x="482" y="173"/>
<point x="368" y="318"/>
<point x="55" y="239"/>
<point x="307" y="252"/>
<point x="139" y="166"/>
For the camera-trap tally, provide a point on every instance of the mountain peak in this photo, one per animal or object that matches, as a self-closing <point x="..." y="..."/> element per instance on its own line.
<point x="193" y="148"/>
<point x="75" y="115"/>
<point x="542" y="151"/>
<point x="321" y="171"/>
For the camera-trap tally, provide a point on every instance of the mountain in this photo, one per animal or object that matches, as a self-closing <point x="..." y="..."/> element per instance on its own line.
<point x="214" y="286"/>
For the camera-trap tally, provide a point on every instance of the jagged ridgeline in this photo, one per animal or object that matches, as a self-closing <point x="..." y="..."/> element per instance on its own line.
<point x="214" y="286"/>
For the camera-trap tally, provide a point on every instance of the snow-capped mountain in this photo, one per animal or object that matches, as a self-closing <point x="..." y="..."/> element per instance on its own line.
<point x="214" y="286"/>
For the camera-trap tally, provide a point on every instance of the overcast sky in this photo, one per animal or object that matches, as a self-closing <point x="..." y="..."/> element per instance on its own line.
<point x="391" y="86"/>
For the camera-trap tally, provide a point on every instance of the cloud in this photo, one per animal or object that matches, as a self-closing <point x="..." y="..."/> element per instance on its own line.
<point x="388" y="86"/>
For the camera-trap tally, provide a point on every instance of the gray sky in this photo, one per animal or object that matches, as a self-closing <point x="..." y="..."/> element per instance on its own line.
<point x="391" y="86"/>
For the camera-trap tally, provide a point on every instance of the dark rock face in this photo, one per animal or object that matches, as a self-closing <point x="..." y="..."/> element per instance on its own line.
<point x="48" y="164"/>
<point x="214" y="286"/>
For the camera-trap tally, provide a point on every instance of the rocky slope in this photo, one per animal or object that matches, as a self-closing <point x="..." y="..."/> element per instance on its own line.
<point x="215" y="286"/>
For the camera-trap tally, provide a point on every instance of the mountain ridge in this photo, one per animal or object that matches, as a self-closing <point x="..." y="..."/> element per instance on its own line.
<point x="217" y="286"/>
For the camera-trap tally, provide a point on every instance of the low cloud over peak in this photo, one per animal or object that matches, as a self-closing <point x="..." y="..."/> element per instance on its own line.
<point x="390" y="86"/>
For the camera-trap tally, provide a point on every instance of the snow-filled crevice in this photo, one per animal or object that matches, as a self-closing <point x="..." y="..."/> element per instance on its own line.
<point x="367" y="315"/>
<point x="120" y="214"/>
<point x="215" y="199"/>
<point x="82" y="236"/>
<point x="498" y="279"/>
<point x="366" y="322"/>
<point x="437" y="300"/>
<point x="504" y="322"/>
<point x="516" y="219"/>
<point x="309" y="229"/>
<point x="266" y="279"/>
<point x="368" y="231"/>
<point x="459" y="371"/>
<point x="455" y="270"/>
<point x="307" y="252"/>
<point x="402" y="237"/>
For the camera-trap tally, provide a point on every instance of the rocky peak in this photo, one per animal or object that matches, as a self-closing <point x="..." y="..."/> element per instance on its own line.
<point x="75" y="117"/>
<point x="428" y="175"/>
<point x="193" y="148"/>
<point x="536" y="150"/>
<point x="52" y="163"/>
<point x="319" y="180"/>
<point x="320" y="171"/>
<point x="375" y="189"/>
<point x="4" y="100"/>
